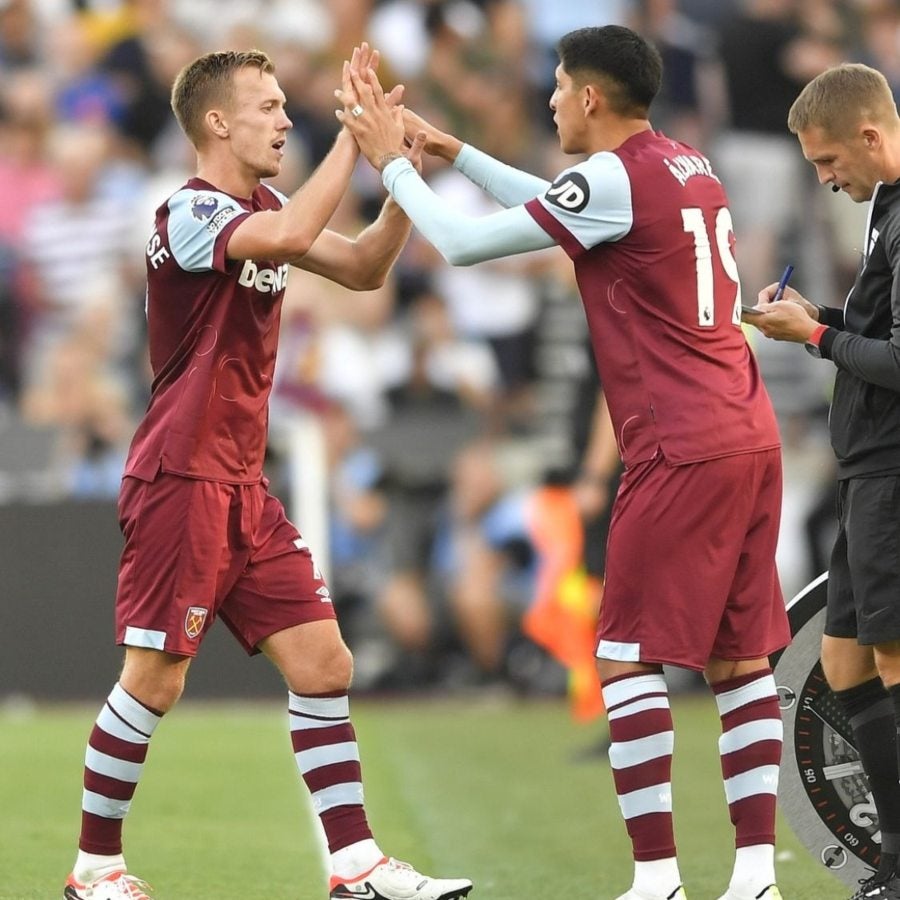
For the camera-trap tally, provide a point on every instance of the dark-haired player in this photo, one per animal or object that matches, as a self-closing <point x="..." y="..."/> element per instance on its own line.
<point x="203" y="537"/>
<point x="691" y="578"/>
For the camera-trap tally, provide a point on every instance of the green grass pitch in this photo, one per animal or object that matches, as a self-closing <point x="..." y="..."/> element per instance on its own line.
<point x="488" y="790"/>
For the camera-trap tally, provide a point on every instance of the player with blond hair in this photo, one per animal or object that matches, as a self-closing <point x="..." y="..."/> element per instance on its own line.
<point x="204" y="538"/>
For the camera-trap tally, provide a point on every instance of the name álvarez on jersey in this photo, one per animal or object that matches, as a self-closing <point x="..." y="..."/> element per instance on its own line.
<point x="650" y="233"/>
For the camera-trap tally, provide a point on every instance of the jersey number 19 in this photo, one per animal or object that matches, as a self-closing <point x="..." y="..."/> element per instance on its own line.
<point x="695" y="224"/>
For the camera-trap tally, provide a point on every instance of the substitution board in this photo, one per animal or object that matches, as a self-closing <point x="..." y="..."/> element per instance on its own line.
<point x="823" y="791"/>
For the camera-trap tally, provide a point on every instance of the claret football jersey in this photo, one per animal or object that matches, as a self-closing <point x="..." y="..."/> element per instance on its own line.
<point x="649" y="231"/>
<point x="213" y="332"/>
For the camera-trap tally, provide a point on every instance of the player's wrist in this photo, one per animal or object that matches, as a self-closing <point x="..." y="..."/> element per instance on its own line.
<point x="815" y="336"/>
<point x="814" y="341"/>
<point x="385" y="159"/>
<point x="449" y="148"/>
<point x="346" y="141"/>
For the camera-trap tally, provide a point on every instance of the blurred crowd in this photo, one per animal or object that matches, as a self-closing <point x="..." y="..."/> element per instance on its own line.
<point x="414" y="426"/>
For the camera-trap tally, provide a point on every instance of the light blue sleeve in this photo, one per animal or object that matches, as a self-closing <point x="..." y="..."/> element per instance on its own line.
<point x="282" y="197"/>
<point x="462" y="240"/>
<point x="196" y="218"/>
<point x="592" y="200"/>
<point x="507" y="185"/>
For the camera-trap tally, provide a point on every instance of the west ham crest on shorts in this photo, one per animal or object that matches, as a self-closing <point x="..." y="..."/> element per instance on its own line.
<point x="823" y="791"/>
<point x="194" y="620"/>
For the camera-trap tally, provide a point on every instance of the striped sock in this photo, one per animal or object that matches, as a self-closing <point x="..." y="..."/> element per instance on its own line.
<point x="640" y="728"/>
<point x="750" y="749"/>
<point x="113" y="762"/>
<point x="328" y="759"/>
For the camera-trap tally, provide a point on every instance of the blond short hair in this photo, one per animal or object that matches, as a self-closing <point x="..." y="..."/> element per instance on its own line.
<point x="842" y="97"/>
<point x="208" y="82"/>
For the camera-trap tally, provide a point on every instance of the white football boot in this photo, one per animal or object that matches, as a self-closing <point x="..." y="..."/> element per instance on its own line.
<point x="115" y="886"/>
<point x="395" y="880"/>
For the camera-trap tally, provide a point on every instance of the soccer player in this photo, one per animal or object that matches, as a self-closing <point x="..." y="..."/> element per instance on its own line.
<point x="691" y="578"/>
<point x="203" y="537"/>
<point x="847" y="124"/>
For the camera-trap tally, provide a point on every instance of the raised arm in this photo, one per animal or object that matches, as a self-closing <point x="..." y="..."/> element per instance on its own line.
<point x="461" y="239"/>
<point x="508" y="185"/>
<point x="362" y="264"/>
<point x="292" y="232"/>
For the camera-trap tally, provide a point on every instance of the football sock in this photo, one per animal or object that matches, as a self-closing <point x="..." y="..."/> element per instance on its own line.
<point x="750" y="751"/>
<point x="350" y="862"/>
<point x="640" y="754"/>
<point x="871" y="711"/>
<point x="328" y="759"/>
<point x="656" y="877"/>
<point x="92" y="866"/>
<point x="754" y="869"/>
<point x="115" y="756"/>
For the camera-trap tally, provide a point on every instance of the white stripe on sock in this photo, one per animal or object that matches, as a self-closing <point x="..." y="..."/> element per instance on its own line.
<point x="639" y="706"/>
<point x="104" y="806"/>
<point x="624" y="754"/>
<point x="761" y="780"/>
<point x="631" y="688"/>
<point x="760" y="689"/>
<point x="742" y="736"/>
<point x="327" y="707"/>
<point x="316" y="757"/>
<point x="654" y="799"/>
<point x="111" y="767"/>
<point x="349" y="793"/>
<point x="136" y="714"/>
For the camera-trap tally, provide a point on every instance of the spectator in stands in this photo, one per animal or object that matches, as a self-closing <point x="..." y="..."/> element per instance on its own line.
<point x="88" y="406"/>
<point x="76" y="245"/>
<point x="19" y="36"/>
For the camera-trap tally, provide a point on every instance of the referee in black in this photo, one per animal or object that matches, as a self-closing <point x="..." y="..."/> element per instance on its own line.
<point x="847" y="124"/>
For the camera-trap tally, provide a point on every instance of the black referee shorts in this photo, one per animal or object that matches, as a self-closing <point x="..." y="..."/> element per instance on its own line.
<point x="864" y="574"/>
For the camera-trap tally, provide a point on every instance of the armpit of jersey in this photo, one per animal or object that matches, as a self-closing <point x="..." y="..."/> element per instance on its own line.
<point x="195" y="220"/>
<point x="592" y="200"/>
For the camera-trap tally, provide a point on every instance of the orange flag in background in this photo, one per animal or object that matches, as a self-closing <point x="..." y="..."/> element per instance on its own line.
<point x="563" y="615"/>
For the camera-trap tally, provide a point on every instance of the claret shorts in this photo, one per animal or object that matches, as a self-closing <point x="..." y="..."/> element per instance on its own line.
<point x="691" y="563"/>
<point x="197" y="550"/>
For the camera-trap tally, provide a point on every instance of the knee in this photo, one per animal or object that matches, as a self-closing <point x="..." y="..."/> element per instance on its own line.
<point x="155" y="682"/>
<point x="330" y="669"/>
<point x="338" y="668"/>
<point x="163" y="695"/>
<point x="846" y="664"/>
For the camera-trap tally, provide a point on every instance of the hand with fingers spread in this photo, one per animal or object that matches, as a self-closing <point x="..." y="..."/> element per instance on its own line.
<point x="363" y="59"/>
<point x="373" y="120"/>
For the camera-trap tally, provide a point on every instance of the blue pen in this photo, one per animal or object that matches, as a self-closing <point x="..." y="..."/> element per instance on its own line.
<point x="779" y="291"/>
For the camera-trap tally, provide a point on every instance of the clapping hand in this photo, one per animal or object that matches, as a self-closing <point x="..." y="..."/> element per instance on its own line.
<point x="374" y="118"/>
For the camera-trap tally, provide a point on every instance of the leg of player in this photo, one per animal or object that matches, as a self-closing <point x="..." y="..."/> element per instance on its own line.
<point x="750" y="750"/>
<point x="851" y="672"/>
<point x="150" y="685"/>
<point x="317" y="667"/>
<point x="640" y="754"/>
